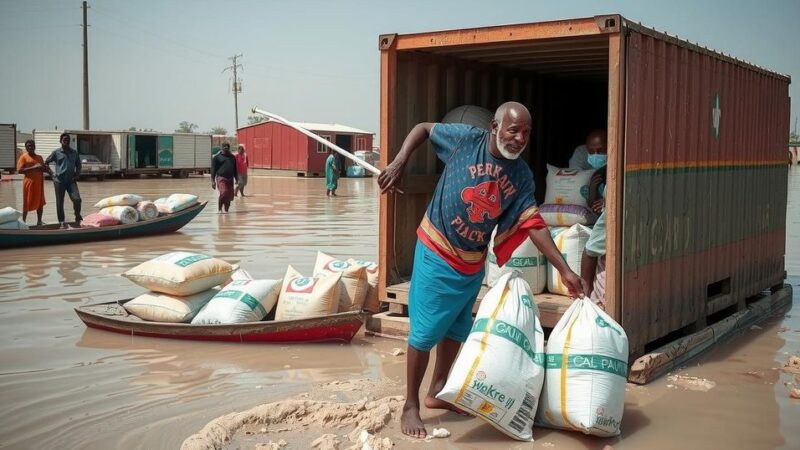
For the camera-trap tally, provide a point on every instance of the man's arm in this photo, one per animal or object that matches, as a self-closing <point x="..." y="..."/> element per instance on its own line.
<point x="588" y="267"/>
<point x="213" y="172"/>
<point x="541" y="238"/>
<point x="390" y="177"/>
<point x="78" y="165"/>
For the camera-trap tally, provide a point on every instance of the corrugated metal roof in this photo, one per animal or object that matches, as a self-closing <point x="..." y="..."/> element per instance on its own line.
<point x="322" y="127"/>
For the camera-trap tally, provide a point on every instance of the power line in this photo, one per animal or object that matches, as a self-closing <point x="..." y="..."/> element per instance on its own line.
<point x="152" y="32"/>
<point x="237" y="84"/>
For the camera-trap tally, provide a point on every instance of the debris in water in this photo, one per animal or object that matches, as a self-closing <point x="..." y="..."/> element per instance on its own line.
<point x="756" y="327"/>
<point x="438" y="433"/>
<point x="792" y="364"/>
<point x="326" y="442"/>
<point x="272" y="445"/>
<point x="794" y="392"/>
<point x="287" y="367"/>
<point x="692" y="383"/>
<point x="398" y="352"/>
<point x="548" y="444"/>
<point x="364" y="415"/>
<point x="263" y="430"/>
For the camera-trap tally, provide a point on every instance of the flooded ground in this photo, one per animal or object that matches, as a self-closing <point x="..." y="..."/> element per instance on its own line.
<point x="64" y="386"/>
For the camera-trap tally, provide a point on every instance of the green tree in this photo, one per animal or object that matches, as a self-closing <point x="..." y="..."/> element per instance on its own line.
<point x="218" y="130"/>
<point x="254" y="119"/>
<point x="794" y="138"/>
<point x="187" y="127"/>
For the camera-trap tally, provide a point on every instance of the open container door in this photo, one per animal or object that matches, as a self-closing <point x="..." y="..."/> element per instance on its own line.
<point x="565" y="72"/>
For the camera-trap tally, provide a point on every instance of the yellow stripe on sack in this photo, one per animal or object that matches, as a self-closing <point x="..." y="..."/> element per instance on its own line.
<point x="484" y="339"/>
<point x="559" y="243"/>
<point x="564" y="360"/>
<point x="559" y="219"/>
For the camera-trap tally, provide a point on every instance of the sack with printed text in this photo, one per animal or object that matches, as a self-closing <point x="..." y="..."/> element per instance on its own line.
<point x="499" y="372"/>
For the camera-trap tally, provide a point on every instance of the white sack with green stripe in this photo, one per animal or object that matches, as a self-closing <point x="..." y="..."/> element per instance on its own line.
<point x="240" y="301"/>
<point x="527" y="259"/>
<point x="499" y="372"/>
<point x="570" y="242"/>
<point x="586" y="370"/>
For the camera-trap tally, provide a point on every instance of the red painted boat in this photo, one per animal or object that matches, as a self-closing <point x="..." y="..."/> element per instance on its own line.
<point x="111" y="316"/>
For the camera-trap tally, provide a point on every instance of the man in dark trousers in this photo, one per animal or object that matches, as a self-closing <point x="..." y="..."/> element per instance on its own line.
<point x="223" y="175"/>
<point x="65" y="178"/>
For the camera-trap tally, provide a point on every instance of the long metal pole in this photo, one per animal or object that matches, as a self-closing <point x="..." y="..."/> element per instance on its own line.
<point x="236" y="94"/>
<point x="85" y="70"/>
<point x="327" y="143"/>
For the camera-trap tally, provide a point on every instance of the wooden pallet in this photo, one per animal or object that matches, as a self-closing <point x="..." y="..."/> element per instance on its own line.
<point x="678" y="352"/>
<point x="395" y="321"/>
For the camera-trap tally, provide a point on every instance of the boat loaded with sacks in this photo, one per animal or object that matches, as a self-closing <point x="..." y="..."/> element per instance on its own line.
<point x="119" y="217"/>
<point x="195" y="296"/>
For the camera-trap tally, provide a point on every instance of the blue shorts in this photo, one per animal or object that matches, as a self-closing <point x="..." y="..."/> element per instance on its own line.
<point x="440" y="300"/>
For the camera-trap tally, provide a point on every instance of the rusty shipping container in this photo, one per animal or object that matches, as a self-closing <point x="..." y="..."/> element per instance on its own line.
<point x="697" y="180"/>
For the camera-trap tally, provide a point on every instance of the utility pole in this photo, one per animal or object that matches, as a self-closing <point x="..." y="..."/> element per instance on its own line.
<point x="85" y="70"/>
<point x="237" y="84"/>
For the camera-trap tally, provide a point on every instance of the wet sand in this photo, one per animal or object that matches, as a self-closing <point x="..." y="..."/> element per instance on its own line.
<point x="64" y="386"/>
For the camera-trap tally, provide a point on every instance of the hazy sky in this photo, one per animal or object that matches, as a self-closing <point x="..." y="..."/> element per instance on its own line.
<point x="153" y="64"/>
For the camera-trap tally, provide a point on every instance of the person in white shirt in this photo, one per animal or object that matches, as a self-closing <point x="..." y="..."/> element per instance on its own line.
<point x="594" y="151"/>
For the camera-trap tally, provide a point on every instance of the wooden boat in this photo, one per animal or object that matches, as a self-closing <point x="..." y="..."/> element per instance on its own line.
<point x="111" y="316"/>
<point x="52" y="234"/>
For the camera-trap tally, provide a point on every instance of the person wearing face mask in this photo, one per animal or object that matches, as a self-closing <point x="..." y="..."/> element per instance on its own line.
<point x="593" y="260"/>
<point x="484" y="185"/>
<point x="591" y="155"/>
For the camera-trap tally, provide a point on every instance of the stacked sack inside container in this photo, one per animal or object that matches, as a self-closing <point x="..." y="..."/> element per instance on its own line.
<point x="567" y="214"/>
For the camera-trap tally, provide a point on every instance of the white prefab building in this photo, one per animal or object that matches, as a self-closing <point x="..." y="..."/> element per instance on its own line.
<point x="131" y="153"/>
<point x="8" y="147"/>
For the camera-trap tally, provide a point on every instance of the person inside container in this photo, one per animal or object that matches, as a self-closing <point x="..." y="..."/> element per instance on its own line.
<point x="595" y="145"/>
<point x="65" y="179"/>
<point x="223" y="176"/>
<point x="33" y="168"/>
<point x="242" y="163"/>
<point x="484" y="185"/>
<point x="593" y="260"/>
<point x="331" y="174"/>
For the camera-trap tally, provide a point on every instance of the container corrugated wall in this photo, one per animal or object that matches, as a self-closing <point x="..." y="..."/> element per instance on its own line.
<point x="705" y="185"/>
<point x="46" y="141"/>
<point x="202" y="152"/>
<point x="183" y="151"/>
<point x="8" y="147"/>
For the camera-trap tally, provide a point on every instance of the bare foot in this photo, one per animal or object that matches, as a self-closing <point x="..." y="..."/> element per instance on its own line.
<point x="435" y="403"/>
<point x="411" y="424"/>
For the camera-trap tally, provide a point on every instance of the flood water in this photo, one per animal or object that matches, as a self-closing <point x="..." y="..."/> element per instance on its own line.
<point x="65" y="386"/>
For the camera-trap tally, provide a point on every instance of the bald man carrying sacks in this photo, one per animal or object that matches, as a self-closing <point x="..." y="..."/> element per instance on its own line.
<point x="484" y="185"/>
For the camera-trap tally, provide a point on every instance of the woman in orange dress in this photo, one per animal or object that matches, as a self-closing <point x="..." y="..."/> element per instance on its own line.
<point x="32" y="166"/>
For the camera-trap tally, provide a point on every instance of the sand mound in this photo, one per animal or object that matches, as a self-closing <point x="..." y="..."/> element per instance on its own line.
<point x="295" y="414"/>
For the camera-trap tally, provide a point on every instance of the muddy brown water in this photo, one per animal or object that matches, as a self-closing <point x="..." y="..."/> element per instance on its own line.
<point x="65" y="386"/>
